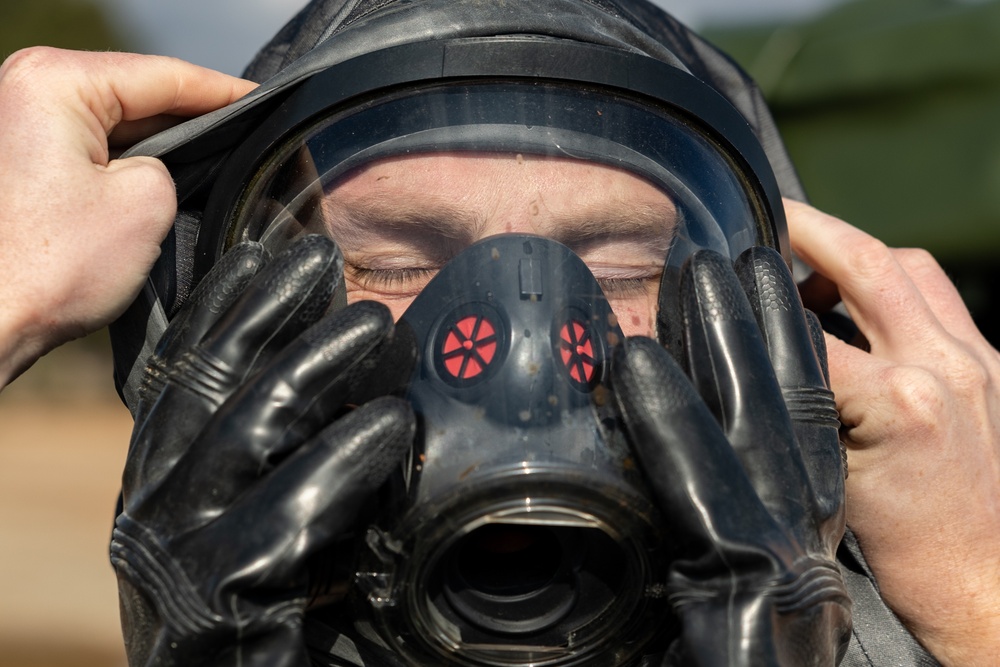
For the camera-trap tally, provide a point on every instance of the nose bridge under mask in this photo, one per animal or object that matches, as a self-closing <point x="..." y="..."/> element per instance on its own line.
<point x="515" y="328"/>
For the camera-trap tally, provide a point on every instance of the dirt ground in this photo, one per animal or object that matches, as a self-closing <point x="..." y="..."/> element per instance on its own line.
<point x="63" y="437"/>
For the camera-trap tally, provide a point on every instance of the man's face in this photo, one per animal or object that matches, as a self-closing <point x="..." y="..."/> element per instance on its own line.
<point x="399" y="220"/>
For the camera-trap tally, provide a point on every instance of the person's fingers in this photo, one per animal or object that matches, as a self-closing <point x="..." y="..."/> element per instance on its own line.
<point x="146" y="87"/>
<point x="116" y="188"/>
<point x="939" y="292"/>
<point x="695" y="475"/>
<point x="66" y="204"/>
<point x="287" y="297"/>
<point x="105" y="89"/>
<point x="781" y="318"/>
<point x="148" y="459"/>
<point x="820" y="293"/>
<point x="730" y="368"/>
<point x="854" y="373"/>
<point x="918" y="413"/>
<point x="797" y="366"/>
<point x="877" y="291"/>
<point x="889" y="413"/>
<point x="213" y="296"/>
<point x="299" y="393"/>
<point x="883" y="404"/>
<point x="313" y="496"/>
<point x="282" y="300"/>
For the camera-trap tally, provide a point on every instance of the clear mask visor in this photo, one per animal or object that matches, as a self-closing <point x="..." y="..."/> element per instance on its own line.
<point x="405" y="183"/>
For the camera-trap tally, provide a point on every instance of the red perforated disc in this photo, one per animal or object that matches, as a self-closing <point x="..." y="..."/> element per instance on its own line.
<point x="576" y="350"/>
<point x="469" y="347"/>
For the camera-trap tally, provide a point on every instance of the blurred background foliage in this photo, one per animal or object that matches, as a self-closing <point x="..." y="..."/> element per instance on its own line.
<point x="890" y="110"/>
<point x="63" y="434"/>
<point x="71" y="24"/>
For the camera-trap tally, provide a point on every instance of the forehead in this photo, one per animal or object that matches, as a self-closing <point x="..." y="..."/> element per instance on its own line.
<point x="482" y="194"/>
<point x="497" y="176"/>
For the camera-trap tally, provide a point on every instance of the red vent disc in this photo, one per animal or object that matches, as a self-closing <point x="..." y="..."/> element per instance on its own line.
<point x="576" y="349"/>
<point x="469" y="347"/>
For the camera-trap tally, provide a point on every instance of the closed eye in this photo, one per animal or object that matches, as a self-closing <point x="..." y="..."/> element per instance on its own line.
<point x="392" y="278"/>
<point x="623" y="288"/>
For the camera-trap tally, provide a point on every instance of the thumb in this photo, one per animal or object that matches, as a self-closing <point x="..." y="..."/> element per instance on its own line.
<point x="132" y="208"/>
<point x="139" y="201"/>
<point x="86" y="258"/>
<point x="141" y="187"/>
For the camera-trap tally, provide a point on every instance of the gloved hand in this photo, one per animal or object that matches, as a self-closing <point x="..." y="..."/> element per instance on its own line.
<point x="244" y="462"/>
<point x="745" y="463"/>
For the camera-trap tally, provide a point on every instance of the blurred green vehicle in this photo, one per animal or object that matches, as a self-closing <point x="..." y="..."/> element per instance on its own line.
<point x="891" y="110"/>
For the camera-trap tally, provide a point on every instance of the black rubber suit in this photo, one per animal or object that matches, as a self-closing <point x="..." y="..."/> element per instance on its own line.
<point x="186" y="595"/>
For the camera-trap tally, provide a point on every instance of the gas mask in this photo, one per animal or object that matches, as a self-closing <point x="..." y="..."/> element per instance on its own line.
<point x="520" y="530"/>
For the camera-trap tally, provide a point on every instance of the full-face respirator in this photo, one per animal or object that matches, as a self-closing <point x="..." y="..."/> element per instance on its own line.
<point x="520" y="530"/>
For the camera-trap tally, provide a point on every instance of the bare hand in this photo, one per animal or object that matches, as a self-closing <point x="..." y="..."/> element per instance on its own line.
<point x="78" y="230"/>
<point x="921" y="420"/>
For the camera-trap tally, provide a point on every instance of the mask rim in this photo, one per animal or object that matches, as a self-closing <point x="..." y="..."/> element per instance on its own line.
<point x="525" y="59"/>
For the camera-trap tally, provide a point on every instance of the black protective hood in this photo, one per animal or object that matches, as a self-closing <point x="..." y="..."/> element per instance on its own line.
<point x="329" y="32"/>
<point x="634" y="25"/>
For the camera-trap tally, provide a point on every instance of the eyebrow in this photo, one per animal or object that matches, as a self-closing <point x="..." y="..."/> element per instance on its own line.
<point x="378" y="215"/>
<point x="651" y="224"/>
<point x="443" y="228"/>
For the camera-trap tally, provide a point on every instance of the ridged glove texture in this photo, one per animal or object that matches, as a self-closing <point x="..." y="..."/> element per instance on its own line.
<point x="739" y="440"/>
<point x="248" y="458"/>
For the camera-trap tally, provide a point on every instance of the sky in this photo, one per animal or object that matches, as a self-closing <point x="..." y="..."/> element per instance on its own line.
<point x="225" y="34"/>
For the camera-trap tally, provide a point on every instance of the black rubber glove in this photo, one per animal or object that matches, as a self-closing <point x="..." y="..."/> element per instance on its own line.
<point x="744" y="460"/>
<point x="244" y="462"/>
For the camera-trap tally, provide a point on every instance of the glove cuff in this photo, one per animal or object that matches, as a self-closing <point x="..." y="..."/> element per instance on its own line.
<point x="138" y="557"/>
<point x="810" y="582"/>
<point x="802" y="616"/>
